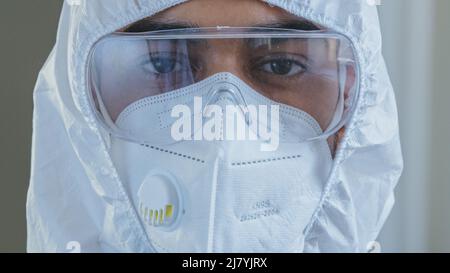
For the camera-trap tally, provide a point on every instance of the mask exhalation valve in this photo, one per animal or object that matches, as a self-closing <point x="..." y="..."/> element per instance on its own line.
<point x="160" y="200"/>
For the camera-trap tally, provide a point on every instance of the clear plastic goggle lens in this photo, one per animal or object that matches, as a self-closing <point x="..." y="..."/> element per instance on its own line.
<point x="313" y="72"/>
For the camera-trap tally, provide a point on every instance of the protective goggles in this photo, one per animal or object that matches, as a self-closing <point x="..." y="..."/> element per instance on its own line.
<point x="310" y="72"/>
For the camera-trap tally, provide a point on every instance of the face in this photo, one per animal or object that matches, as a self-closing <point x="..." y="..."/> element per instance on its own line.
<point x="234" y="13"/>
<point x="272" y="78"/>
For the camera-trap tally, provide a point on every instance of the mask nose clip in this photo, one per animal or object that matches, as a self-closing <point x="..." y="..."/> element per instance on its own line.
<point x="225" y="93"/>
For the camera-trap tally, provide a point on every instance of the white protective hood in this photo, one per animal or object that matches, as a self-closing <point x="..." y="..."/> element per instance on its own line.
<point x="75" y="193"/>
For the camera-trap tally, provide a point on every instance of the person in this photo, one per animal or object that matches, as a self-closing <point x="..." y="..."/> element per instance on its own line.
<point x="213" y="126"/>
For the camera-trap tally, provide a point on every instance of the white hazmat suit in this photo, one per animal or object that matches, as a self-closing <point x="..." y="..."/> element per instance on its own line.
<point x="75" y="193"/>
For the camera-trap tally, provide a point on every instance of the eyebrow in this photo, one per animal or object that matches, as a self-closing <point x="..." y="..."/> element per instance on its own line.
<point x="147" y="25"/>
<point x="293" y="24"/>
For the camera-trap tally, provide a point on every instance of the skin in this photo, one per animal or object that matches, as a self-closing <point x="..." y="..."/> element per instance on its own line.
<point x="237" y="13"/>
<point x="234" y="13"/>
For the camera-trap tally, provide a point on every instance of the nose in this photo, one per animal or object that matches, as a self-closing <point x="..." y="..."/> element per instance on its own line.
<point x="224" y="56"/>
<point x="227" y="92"/>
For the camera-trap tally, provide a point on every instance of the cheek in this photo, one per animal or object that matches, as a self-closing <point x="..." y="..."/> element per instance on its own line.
<point x="318" y="98"/>
<point x="329" y="95"/>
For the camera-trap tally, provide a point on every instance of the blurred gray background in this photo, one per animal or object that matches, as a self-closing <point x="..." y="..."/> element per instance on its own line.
<point x="416" y="46"/>
<point x="27" y="35"/>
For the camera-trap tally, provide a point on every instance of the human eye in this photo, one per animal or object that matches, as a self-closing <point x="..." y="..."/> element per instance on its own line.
<point x="282" y="65"/>
<point x="164" y="63"/>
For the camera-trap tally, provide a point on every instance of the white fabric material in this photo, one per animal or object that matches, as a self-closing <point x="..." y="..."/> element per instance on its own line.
<point x="238" y="197"/>
<point x="75" y="193"/>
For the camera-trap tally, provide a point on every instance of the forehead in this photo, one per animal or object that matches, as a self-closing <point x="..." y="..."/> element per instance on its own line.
<point x="211" y="13"/>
